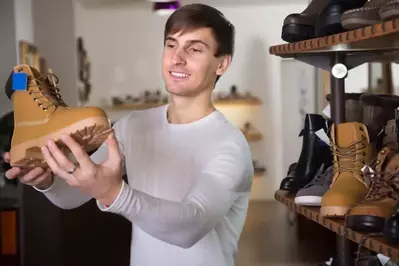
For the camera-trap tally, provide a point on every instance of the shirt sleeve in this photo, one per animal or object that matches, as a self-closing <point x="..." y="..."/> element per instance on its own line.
<point x="66" y="197"/>
<point x="226" y="177"/>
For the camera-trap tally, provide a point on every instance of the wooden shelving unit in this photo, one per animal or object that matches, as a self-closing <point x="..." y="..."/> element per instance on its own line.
<point x="377" y="244"/>
<point x="338" y="54"/>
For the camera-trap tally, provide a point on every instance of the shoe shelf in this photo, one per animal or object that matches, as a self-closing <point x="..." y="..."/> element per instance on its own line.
<point x="259" y="173"/>
<point x="237" y="102"/>
<point x="378" y="42"/>
<point x="143" y="106"/>
<point x="257" y="136"/>
<point x="377" y="244"/>
<point x="134" y="106"/>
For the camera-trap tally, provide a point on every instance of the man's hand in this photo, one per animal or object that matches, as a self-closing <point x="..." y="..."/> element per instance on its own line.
<point x="38" y="177"/>
<point x="100" y="181"/>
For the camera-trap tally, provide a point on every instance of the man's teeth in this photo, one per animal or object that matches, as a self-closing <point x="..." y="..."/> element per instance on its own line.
<point x="180" y="75"/>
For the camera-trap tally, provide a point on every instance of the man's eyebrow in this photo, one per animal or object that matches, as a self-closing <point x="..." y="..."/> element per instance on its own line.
<point x="190" y="41"/>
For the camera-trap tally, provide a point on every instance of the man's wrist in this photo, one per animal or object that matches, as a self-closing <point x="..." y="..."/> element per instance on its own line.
<point x="112" y="195"/>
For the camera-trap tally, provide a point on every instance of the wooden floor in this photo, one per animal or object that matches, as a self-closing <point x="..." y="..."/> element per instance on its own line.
<point x="269" y="238"/>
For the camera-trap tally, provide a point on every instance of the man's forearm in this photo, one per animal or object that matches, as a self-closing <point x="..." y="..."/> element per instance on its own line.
<point x="178" y="223"/>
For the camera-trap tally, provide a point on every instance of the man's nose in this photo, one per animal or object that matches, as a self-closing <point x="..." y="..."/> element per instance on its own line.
<point x="178" y="58"/>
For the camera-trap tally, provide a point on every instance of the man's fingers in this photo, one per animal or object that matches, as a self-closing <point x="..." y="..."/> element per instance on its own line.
<point x="60" y="158"/>
<point x="31" y="175"/>
<point x="13" y="172"/>
<point x="114" y="154"/>
<point x="7" y="157"/>
<point x="41" y="178"/>
<point x="81" y="156"/>
<point x="55" y="168"/>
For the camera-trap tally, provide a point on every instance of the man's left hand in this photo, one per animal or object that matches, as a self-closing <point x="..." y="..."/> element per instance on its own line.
<point x="100" y="181"/>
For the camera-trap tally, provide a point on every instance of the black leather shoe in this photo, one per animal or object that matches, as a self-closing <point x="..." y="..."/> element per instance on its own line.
<point x="301" y="26"/>
<point x="314" y="153"/>
<point x="391" y="227"/>
<point x="329" y="20"/>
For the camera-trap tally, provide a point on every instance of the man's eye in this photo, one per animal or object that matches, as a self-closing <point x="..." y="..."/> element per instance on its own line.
<point x="170" y="45"/>
<point x="195" y="50"/>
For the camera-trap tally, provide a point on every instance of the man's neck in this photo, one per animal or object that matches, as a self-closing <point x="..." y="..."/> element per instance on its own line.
<point x="183" y="111"/>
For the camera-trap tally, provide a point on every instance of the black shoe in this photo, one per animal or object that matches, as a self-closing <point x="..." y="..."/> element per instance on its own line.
<point x="314" y="153"/>
<point x="329" y="20"/>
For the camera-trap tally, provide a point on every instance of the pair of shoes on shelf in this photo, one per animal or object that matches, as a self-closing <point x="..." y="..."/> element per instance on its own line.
<point x="40" y="114"/>
<point x="327" y="17"/>
<point x="353" y="145"/>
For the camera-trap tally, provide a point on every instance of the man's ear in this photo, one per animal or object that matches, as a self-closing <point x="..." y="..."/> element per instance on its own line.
<point x="223" y="65"/>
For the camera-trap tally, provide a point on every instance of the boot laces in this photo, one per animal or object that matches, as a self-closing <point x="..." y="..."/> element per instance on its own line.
<point x="383" y="185"/>
<point x="347" y="156"/>
<point x="47" y="88"/>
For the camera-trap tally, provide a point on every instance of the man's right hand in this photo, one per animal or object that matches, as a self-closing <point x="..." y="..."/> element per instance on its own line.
<point x="37" y="177"/>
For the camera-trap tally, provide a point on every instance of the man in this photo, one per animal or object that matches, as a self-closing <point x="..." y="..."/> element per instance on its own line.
<point x="189" y="170"/>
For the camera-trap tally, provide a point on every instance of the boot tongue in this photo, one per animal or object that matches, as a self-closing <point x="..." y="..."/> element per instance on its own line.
<point x="347" y="134"/>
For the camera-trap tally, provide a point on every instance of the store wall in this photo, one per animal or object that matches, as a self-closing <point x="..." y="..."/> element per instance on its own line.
<point x="54" y="35"/>
<point x="7" y="49"/>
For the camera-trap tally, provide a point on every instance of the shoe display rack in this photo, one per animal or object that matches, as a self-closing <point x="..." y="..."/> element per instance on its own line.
<point x="338" y="54"/>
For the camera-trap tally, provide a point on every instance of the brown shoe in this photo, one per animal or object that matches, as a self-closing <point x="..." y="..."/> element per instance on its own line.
<point x="380" y="201"/>
<point x="352" y="150"/>
<point x="41" y="114"/>
<point x="390" y="10"/>
<point x="363" y="16"/>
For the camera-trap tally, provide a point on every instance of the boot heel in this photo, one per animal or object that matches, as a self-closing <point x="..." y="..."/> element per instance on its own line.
<point x="297" y="32"/>
<point x="366" y="223"/>
<point x="330" y="22"/>
<point x="334" y="211"/>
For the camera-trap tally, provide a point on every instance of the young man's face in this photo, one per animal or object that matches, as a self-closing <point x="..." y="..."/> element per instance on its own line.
<point x="189" y="65"/>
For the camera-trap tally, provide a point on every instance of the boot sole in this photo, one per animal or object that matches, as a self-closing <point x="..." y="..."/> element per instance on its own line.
<point x="297" y="32"/>
<point x="356" y="23"/>
<point x="391" y="13"/>
<point x="366" y="223"/>
<point x="308" y="200"/>
<point x="334" y="211"/>
<point x="90" y="133"/>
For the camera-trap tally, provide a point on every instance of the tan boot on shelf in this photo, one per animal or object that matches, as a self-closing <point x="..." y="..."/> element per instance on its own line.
<point x="380" y="201"/>
<point x="352" y="150"/>
<point x="41" y="114"/>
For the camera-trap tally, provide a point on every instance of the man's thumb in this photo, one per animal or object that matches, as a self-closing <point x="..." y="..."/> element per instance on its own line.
<point x="114" y="153"/>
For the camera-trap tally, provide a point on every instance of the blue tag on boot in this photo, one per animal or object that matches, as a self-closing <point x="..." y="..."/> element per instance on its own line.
<point x="19" y="81"/>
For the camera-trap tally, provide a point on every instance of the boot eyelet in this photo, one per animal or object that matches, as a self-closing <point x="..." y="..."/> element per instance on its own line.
<point x="361" y="129"/>
<point x="364" y="154"/>
<point x="45" y="108"/>
<point x="35" y="99"/>
<point x="30" y="92"/>
<point x="40" y="104"/>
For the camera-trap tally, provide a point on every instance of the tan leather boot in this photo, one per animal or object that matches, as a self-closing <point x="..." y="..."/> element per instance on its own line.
<point x="41" y="114"/>
<point x="352" y="150"/>
<point x="380" y="201"/>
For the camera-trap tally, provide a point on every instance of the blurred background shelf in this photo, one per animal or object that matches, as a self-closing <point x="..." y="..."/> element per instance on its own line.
<point x="143" y="106"/>
<point x="253" y="136"/>
<point x="231" y="102"/>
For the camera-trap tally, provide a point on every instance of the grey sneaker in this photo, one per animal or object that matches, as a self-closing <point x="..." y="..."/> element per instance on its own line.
<point x="312" y="193"/>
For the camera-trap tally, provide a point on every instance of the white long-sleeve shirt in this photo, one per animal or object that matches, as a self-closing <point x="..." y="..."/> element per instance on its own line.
<point x="187" y="192"/>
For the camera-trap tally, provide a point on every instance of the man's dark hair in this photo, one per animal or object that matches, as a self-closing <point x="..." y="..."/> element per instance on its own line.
<point x="195" y="16"/>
